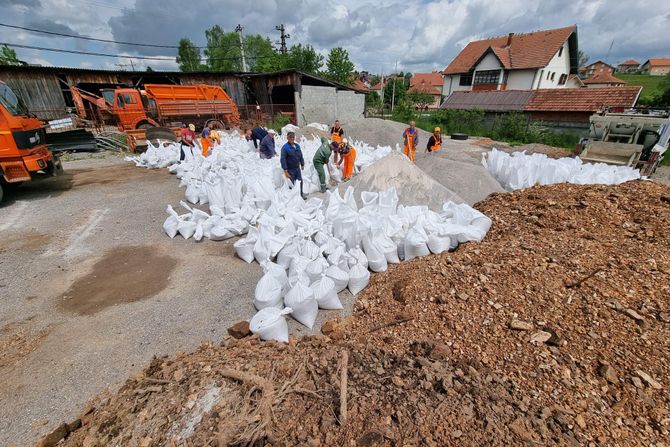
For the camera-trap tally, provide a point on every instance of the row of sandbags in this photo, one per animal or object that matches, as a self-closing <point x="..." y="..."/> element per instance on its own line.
<point x="520" y="170"/>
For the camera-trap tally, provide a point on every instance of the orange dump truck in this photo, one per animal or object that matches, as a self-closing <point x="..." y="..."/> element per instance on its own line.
<point x="23" y="152"/>
<point x="161" y="105"/>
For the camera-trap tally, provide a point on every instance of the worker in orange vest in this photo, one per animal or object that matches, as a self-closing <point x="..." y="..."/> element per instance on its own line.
<point x="411" y="137"/>
<point x="435" y="141"/>
<point x="336" y="135"/>
<point x="348" y="156"/>
<point x="205" y="140"/>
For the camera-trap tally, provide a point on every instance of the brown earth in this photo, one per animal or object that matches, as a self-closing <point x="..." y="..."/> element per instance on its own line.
<point x="555" y="330"/>
<point x="123" y="275"/>
<point x="17" y="341"/>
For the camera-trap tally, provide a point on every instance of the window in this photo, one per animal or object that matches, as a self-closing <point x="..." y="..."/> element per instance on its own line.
<point x="505" y="77"/>
<point x="119" y="100"/>
<point x="466" y="79"/>
<point x="548" y="75"/>
<point x="487" y="77"/>
<point x="128" y="98"/>
<point x="560" y="52"/>
<point x="563" y="79"/>
<point x="553" y="75"/>
<point x="11" y="102"/>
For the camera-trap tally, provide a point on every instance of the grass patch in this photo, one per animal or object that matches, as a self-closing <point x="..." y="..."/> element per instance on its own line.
<point x="651" y="85"/>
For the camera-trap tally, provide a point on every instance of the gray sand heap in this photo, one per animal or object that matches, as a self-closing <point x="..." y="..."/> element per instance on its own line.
<point x="469" y="179"/>
<point x="376" y="131"/>
<point x="414" y="187"/>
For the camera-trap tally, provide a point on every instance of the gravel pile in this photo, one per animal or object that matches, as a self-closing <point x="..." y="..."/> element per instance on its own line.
<point x="553" y="331"/>
<point x="414" y="187"/>
<point x="376" y="131"/>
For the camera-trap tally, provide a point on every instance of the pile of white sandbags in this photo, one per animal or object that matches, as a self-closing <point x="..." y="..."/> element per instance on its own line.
<point x="520" y="170"/>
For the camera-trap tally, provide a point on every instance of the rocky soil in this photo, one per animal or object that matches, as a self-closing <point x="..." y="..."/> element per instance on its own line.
<point x="553" y="331"/>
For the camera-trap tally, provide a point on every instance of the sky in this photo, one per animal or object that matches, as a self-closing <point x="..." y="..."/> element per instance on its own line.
<point x="421" y="35"/>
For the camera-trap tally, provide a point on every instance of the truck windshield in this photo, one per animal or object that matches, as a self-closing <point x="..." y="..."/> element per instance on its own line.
<point x="11" y="102"/>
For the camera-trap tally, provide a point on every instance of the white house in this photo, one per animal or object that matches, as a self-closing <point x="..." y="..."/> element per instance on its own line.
<point x="543" y="59"/>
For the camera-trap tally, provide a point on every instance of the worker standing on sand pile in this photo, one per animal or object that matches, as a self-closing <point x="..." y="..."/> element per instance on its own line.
<point x="266" y="149"/>
<point x="411" y="137"/>
<point x="336" y="135"/>
<point x="435" y="141"/>
<point x="348" y="156"/>
<point x="291" y="161"/>
<point x="187" y="136"/>
<point x="256" y="135"/>
<point x="205" y="140"/>
<point x="322" y="157"/>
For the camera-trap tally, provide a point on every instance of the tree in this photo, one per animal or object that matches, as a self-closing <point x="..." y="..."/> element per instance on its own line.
<point x="662" y="99"/>
<point x="302" y="58"/>
<point x="421" y="99"/>
<point x="339" y="67"/>
<point x="223" y="50"/>
<point x="260" y="54"/>
<point x="583" y="58"/>
<point x="149" y="69"/>
<point x="188" y="56"/>
<point x="8" y="56"/>
<point x="400" y="91"/>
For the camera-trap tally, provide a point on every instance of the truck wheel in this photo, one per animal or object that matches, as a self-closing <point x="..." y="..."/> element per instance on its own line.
<point x="2" y="191"/>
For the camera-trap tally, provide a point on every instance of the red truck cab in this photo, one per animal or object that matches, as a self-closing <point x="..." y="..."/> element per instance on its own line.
<point x="23" y="149"/>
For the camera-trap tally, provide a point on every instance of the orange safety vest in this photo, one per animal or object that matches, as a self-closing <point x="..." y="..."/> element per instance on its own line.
<point x="335" y="134"/>
<point x="438" y="144"/>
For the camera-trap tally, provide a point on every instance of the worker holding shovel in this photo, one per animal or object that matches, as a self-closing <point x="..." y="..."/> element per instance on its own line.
<point x="321" y="158"/>
<point x="411" y="137"/>
<point x="348" y="156"/>
<point x="292" y="161"/>
<point x="435" y="141"/>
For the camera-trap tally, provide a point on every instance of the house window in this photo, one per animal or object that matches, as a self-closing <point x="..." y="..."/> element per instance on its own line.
<point x="553" y="75"/>
<point x="560" y="52"/>
<point x="487" y="77"/>
<point x="563" y="79"/>
<point x="466" y="79"/>
<point x="548" y="75"/>
<point x="505" y="77"/>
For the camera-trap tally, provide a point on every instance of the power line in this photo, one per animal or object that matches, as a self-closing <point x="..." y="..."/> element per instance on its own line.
<point x="33" y="30"/>
<point x="283" y="37"/>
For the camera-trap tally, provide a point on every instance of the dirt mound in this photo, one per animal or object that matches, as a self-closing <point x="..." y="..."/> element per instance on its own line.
<point x="376" y="131"/>
<point x="471" y="181"/>
<point x="553" y="331"/>
<point x="414" y="186"/>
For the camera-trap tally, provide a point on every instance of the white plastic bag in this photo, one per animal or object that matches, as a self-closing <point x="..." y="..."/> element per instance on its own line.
<point x="268" y="292"/>
<point x="186" y="228"/>
<point x="376" y="260"/>
<point x="245" y="249"/>
<point x="276" y="270"/>
<point x="339" y="277"/>
<point x="357" y="256"/>
<point x="315" y="268"/>
<point x="171" y="224"/>
<point x="326" y="294"/>
<point x="286" y="255"/>
<point x="305" y="308"/>
<point x="438" y="244"/>
<point x="416" y="243"/>
<point x="359" y="277"/>
<point x="270" y="324"/>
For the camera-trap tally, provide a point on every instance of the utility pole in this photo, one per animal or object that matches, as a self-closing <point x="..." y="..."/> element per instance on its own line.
<point x="381" y="69"/>
<point x="284" y="36"/>
<point x="394" y="82"/>
<point x="244" y="60"/>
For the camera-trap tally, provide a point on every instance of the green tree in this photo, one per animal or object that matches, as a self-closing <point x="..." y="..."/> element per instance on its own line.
<point x="188" y="56"/>
<point x="421" y="99"/>
<point x="8" y="56"/>
<point x="303" y="58"/>
<point x="662" y="100"/>
<point x="223" y="50"/>
<point x="260" y="54"/>
<point x="400" y="91"/>
<point x="149" y="69"/>
<point x="339" y="67"/>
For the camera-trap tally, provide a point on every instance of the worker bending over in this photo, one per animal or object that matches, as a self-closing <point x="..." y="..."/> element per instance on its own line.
<point x="187" y="136"/>
<point x="256" y="135"/>
<point x="209" y="139"/>
<point x="435" y="141"/>
<point x="336" y="135"/>
<point x="321" y="158"/>
<point x="292" y="162"/>
<point x="348" y="156"/>
<point x="266" y="149"/>
<point x="411" y="137"/>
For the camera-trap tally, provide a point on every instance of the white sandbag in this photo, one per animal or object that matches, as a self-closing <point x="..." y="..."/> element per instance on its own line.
<point x="388" y="248"/>
<point x="339" y="277"/>
<point x="245" y="249"/>
<point x="376" y="260"/>
<point x="199" y="232"/>
<point x="171" y="224"/>
<point x="297" y="268"/>
<point x="268" y="292"/>
<point x="358" y="257"/>
<point x="270" y="324"/>
<point x="359" y="277"/>
<point x="193" y="193"/>
<point x="221" y="233"/>
<point x="416" y="243"/>
<point x="286" y="255"/>
<point x="309" y="249"/>
<point x="325" y="293"/>
<point x="305" y="308"/>
<point x="186" y="228"/>
<point x="438" y="244"/>
<point x="315" y="268"/>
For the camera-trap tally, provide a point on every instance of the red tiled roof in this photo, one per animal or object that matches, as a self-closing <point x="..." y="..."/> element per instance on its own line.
<point x="630" y="62"/>
<point x="659" y="62"/>
<point x="531" y="50"/>
<point x="571" y="77"/>
<point x="425" y="88"/>
<point x="598" y="62"/>
<point x="604" y="77"/>
<point x="489" y="101"/>
<point x="360" y="85"/>
<point x="435" y="79"/>
<point x="376" y="87"/>
<point x="582" y="99"/>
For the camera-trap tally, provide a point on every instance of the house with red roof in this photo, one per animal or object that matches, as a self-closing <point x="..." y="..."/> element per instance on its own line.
<point x="430" y="83"/>
<point x="659" y="66"/>
<point x="542" y="59"/>
<point x="603" y="79"/>
<point x="629" y="66"/>
<point x="598" y="67"/>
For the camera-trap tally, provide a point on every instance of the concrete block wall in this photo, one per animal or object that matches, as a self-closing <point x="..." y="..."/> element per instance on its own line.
<point x="326" y="104"/>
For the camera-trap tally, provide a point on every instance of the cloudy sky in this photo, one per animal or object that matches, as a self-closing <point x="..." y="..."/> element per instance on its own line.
<point x="421" y="35"/>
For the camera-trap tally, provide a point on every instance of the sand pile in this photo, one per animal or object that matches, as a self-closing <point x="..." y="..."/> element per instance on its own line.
<point x="414" y="186"/>
<point x="469" y="179"/>
<point x="376" y="131"/>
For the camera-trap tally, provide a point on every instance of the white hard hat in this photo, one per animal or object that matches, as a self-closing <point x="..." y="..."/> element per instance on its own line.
<point x="272" y="131"/>
<point x="345" y="141"/>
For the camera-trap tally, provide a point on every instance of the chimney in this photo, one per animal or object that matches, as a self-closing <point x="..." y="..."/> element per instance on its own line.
<point x="509" y="39"/>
